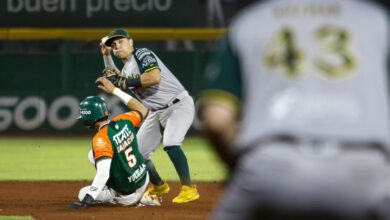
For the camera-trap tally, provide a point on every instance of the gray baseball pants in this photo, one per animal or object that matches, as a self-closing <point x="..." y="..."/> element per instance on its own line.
<point x="280" y="181"/>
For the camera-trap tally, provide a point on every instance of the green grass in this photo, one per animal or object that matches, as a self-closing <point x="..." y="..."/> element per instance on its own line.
<point x="16" y="218"/>
<point x="66" y="159"/>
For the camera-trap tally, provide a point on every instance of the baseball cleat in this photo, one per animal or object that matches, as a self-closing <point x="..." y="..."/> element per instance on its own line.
<point x="158" y="190"/>
<point x="187" y="194"/>
<point x="150" y="200"/>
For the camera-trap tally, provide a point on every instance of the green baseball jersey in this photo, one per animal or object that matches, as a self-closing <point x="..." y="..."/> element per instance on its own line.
<point x="117" y="140"/>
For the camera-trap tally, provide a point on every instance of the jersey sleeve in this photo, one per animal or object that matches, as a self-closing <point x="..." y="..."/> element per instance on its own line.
<point x="101" y="145"/>
<point x="132" y="116"/>
<point x="222" y="78"/>
<point x="146" y="60"/>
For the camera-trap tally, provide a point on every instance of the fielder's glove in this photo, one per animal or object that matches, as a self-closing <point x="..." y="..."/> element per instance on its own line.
<point x="115" y="77"/>
<point x="86" y="202"/>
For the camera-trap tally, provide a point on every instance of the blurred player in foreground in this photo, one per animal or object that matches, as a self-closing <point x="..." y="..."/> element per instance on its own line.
<point x="121" y="175"/>
<point x="297" y="105"/>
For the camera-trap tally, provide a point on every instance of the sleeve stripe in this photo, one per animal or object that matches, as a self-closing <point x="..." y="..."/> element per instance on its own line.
<point x="152" y="68"/>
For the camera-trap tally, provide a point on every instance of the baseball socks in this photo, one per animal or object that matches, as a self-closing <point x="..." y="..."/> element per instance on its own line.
<point x="188" y="191"/>
<point x="158" y="186"/>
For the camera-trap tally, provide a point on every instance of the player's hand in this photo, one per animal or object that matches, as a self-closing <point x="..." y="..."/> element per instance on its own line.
<point x="78" y="205"/>
<point x="85" y="203"/>
<point x="105" y="85"/>
<point x="106" y="51"/>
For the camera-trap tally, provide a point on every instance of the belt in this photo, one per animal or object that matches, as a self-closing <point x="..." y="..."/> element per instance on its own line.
<point x="167" y="106"/>
<point x="318" y="143"/>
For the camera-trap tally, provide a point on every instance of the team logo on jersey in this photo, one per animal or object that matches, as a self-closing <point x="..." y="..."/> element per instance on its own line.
<point x="148" y="61"/>
<point x="100" y="142"/>
<point x="140" y="53"/>
<point x="122" y="135"/>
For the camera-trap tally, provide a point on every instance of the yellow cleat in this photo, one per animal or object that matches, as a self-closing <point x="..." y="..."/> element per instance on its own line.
<point x="187" y="194"/>
<point x="158" y="190"/>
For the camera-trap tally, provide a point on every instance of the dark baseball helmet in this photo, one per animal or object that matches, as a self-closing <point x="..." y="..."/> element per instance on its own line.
<point x="93" y="109"/>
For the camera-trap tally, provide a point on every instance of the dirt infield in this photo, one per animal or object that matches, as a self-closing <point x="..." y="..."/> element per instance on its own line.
<point x="50" y="200"/>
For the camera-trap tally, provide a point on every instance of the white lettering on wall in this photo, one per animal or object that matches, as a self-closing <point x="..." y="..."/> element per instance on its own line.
<point x="30" y="123"/>
<point x="96" y="6"/>
<point x="6" y="114"/>
<point x="63" y="123"/>
<point x="35" y="6"/>
<point x="13" y="110"/>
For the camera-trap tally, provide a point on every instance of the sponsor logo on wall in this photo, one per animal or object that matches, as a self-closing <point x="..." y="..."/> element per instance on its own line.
<point x="31" y="112"/>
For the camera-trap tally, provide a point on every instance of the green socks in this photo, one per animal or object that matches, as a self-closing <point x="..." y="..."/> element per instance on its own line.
<point x="153" y="174"/>
<point x="179" y="160"/>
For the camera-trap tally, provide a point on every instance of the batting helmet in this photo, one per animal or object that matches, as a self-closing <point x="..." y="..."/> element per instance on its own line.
<point x="93" y="109"/>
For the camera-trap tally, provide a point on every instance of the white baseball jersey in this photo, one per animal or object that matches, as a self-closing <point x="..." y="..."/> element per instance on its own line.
<point x="156" y="96"/>
<point x="308" y="68"/>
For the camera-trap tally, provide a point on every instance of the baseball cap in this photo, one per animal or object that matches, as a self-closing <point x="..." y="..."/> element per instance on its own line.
<point x="115" y="34"/>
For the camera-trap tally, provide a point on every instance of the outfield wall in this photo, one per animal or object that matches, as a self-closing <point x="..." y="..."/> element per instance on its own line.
<point x="40" y="92"/>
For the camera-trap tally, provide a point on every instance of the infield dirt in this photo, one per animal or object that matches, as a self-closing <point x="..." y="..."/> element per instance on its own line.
<point x="50" y="200"/>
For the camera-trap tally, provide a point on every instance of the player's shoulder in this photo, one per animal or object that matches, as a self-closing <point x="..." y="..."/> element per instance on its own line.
<point x="142" y="52"/>
<point x="372" y="10"/>
<point x="253" y="10"/>
<point x="101" y="137"/>
<point x="133" y="116"/>
<point x="372" y="6"/>
<point x="252" y="17"/>
<point x="122" y="116"/>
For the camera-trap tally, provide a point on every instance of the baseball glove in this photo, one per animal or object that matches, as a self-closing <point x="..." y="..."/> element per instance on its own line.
<point x="115" y="77"/>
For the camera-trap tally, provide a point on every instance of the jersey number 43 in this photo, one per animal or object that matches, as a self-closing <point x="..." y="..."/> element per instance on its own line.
<point x="335" y="59"/>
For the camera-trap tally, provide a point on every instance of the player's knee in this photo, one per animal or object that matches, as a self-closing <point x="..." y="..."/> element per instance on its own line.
<point x="147" y="153"/>
<point x="83" y="192"/>
<point x="147" y="156"/>
<point x="170" y="142"/>
<point x="91" y="158"/>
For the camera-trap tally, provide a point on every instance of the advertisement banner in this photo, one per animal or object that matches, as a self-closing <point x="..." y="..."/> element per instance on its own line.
<point x="42" y="95"/>
<point x="105" y="13"/>
<point x="25" y="114"/>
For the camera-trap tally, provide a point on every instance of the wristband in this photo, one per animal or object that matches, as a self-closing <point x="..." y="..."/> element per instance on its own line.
<point x="124" y="97"/>
<point x="134" y="82"/>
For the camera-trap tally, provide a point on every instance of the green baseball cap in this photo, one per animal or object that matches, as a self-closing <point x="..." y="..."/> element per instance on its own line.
<point x="115" y="34"/>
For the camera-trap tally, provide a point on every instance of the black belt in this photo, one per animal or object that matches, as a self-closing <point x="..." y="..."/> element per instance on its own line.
<point x="166" y="106"/>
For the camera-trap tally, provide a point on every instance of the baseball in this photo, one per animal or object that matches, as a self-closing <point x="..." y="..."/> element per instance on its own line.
<point x="103" y="40"/>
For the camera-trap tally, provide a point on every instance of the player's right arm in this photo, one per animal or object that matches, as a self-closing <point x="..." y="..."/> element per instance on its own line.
<point x="132" y="103"/>
<point x="106" y="52"/>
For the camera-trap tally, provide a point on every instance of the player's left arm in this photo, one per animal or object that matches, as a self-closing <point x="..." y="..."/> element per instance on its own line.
<point x="103" y="153"/>
<point x="149" y="68"/>
<point x="150" y="77"/>
<point x="103" y="166"/>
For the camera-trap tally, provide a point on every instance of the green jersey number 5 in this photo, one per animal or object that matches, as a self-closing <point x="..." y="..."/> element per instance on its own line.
<point x="131" y="159"/>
